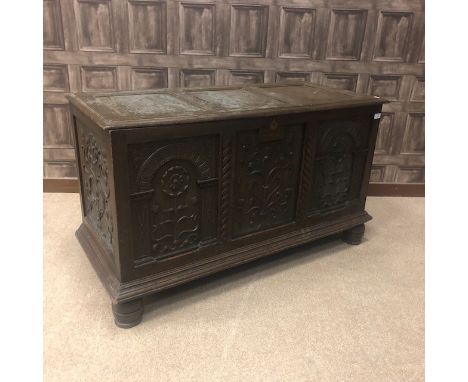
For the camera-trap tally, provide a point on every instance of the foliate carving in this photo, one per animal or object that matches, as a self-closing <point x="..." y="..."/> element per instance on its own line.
<point x="175" y="209"/>
<point x="174" y="204"/>
<point x="339" y="162"/>
<point x="336" y="171"/>
<point x="96" y="192"/>
<point x="266" y="180"/>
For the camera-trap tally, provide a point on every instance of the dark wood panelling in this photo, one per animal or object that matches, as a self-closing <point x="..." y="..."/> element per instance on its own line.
<point x="341" y="81"/>
<point x="346" y="34"/>
<point x="392" y="36"/>
<point x="55" y="78"/>
<point x="147" y="26"/>
<point x="418" y="91"/>
<point x="198" y="31"/>
<point x="60" y="136"/>
<point x="413" y="137"/>
<point x="385" y="86"/>
<point x="148" y="78"/>
<point x="60" y="169"/>
<point x="396" y="189"/>
<point x="53" y="32"/>
<point x="292" y="76"/>
<point x="410" y="175"/>
<point x="94" y="25"/>
<point x="369" y="46"/>
<point x="377" y="174"/>
<point x="248" y="30"/>
<point x="98" y="78"/>
<point x="296" y="32"/>
<point x="242" y="77"/>
<point x="382" y="146"/>
<point x="193" y="78"/>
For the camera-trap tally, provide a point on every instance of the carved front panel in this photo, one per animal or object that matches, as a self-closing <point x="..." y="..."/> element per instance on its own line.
<point x="95" y="185"/>
<point x="174" y="197"/>
<point x="266" y="178"/>
<point x="339" y="164"/>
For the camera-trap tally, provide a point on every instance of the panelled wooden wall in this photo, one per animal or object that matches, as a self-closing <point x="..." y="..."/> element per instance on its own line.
<point x="367" y="46"/>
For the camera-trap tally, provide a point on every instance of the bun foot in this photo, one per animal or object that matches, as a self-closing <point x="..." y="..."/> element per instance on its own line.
<point x="128" y="314"/>
<point x="354" y="235"/>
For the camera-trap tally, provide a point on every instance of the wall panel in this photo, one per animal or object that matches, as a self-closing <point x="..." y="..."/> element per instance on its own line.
<point x="366" y="46"/>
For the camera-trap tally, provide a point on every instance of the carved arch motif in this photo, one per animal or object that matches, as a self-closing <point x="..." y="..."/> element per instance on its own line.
<point x="339" y="158"/>
<point x="336" y="168"/>
<point x="174" y="198"/>
<point x="165" y="154"/>
<point x="175" y="207"/>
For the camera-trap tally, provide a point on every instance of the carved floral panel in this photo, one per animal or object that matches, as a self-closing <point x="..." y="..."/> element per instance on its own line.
<point x="95" y="183"/>
<point x="338" y="165"/>
<point x="174" y="197"/>
<point x="266" y="178"/>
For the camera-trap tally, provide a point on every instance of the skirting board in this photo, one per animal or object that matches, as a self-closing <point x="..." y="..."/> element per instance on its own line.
<point x="375" y="189"/>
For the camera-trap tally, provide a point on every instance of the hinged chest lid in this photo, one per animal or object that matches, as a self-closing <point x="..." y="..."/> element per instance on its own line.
<point x="171" y="106"/>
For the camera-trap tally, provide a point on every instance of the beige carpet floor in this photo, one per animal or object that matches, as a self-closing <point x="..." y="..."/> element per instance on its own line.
<point x="324" y="312"/>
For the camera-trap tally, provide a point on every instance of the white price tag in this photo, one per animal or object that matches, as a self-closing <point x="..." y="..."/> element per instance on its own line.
<point x="377" y="115"/>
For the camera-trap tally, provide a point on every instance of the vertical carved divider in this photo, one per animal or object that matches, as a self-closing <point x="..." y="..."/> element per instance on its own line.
<point x="226" y="185"/>
<point x="307" y="171"/>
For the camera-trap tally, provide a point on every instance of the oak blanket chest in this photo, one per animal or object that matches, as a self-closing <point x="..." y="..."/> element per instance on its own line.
<point x="177" y="184"/>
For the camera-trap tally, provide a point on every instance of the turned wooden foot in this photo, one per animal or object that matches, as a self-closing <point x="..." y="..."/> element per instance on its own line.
<point x="354" y="235"/>
<point x="128" y="314"/>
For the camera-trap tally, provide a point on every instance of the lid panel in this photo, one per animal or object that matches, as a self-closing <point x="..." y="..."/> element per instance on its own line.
<point x="173" y="106"/>
<point x="137" y="106"/>
<point x="236" y="99"/>
<point x="304" y="95"/>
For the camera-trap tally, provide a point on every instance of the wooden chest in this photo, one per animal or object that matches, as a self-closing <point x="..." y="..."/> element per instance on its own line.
<point x="177" y="184"/>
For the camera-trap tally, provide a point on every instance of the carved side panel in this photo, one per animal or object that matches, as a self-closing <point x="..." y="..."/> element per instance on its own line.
<point x="266" y="178"/>
<point x="95" y="185"/>
<point x="173" y="197"/>
<point x="338" y="165"/>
